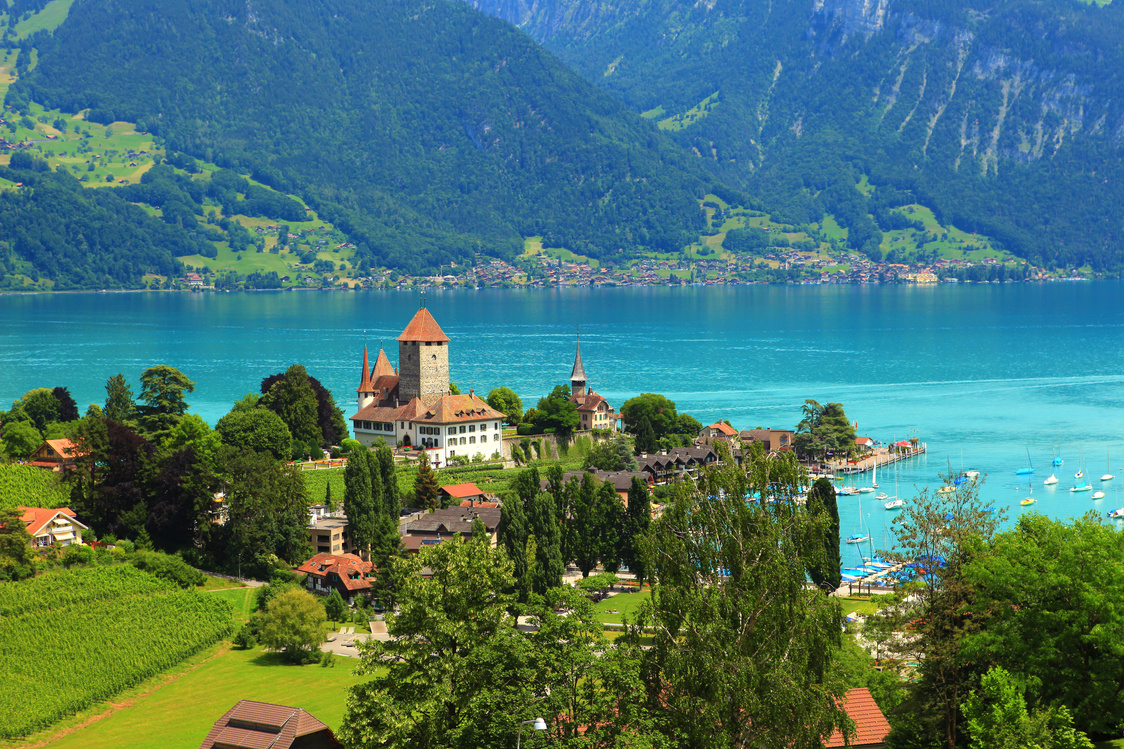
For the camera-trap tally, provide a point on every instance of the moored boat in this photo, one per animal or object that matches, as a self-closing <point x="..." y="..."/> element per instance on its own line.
<point x="1098" y="495"/>
<point x="1051" y="481"/>
<point x="1028" y="501"/>
<point x="857" y="539"/>
<point x="894" y="504"/>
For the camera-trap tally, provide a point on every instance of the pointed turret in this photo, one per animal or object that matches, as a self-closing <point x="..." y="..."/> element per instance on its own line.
<point x="382" y="366"/>
<point x="577" y="376"/>
<point x="365" y="385"/>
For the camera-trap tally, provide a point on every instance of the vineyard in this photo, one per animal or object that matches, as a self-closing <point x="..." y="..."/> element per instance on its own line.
<point x="78" y="637"/>
<point x="31" y="487"/>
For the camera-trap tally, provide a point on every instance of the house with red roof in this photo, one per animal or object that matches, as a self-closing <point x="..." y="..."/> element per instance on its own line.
<point x="594" y="411"/>
<point x="719" y="431"/>
<point x="57" y="455"/>
<point x="413" y="406"/>
<point x="871" y="726"/>
<point x="347" y="573"/>
<point x="262" y="725"/>
<point x="458" y="494"/>
<point x="52" y="527"/>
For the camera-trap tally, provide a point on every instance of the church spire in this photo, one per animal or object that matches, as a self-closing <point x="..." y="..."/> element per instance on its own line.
<point x="365" y="385"/>
<point x="577" y="376"/>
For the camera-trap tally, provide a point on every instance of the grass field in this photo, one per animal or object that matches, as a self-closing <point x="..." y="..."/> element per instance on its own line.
<point x="241" y="601"/>
<point x="688" y="118"/>
<point x="49" y="18"/>
<point x="615" y="609"/>
<point x="176" y="710"/>
<point x="858" y="605"/>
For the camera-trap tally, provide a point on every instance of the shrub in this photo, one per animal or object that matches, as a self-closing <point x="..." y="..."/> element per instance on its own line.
<point x="77" y="554"/>
<point x="335" y="607"/>
<point x="244" y="639"/>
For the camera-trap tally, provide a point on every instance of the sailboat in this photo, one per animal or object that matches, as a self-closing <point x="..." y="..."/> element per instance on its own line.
<point x="1057" y="458"/>
<point x="1051" y="481"/>
<point x="1029" y="500"/>
<point x="874" y="480"/>
<point x="859" y="538"/>
<point x="1108" y="467"/>
<point x="1097" y="495"/>
<point x="1030" y="465"/>
<point x="1083" y="486"/>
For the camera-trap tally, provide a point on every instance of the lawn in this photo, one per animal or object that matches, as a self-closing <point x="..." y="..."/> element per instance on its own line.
<point x="176" y="711"/>
<point x="241" y="601"/>
<point x="615" y="609"/>
<point x="858" y="605"/>
<point x="52" y="15"/>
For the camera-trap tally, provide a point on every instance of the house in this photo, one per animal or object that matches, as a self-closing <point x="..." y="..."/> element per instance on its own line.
<point x="255" y="725"/>
<point x="670" y="464"/>
<point x="774" y="440"/>
<point x="865" y="444"/>
<point x="49" y="527"/>
<point x="193" y="280"/>
<point x="871" y="726"/>
<point x="347" y="573"/>
<point x="594" y="411"/>
<point x="719" y="431"/>
<point x="621" y="480"/>
<point x="56" y="455"/>
<point x="459" y="494"/>
<point x="413" y="405"/>
<point x="451" y="522"/>
<point x="328" y="535"/>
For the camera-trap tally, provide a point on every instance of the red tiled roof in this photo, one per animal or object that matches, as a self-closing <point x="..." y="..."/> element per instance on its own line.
<point x="344" y="566"/>
<point x="382" y="367"/>
<point x="453" y="408"/>
<point x="38" y="517"/>
<point x="724" y="428"/>
<point x="590" y="401"/>
<point x="365" y="383"/>
<point x="423" y="328"/>
<point x="460" y="491"/>
<point x="871" y="726"/>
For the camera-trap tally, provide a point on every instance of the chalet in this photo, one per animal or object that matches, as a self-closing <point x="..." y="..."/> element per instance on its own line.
<point x="620" y="480"/>
<point x="254" y="725"/>
<point x="347" y="573"/>
<point x="719" y="431"/>
<point x="871" y="726"/>
<point x="670" y="464"/>
<point x="52" y="527"/>
<point x="774" y="440"/>
<point x="865" y="444"/>
<point x="452" y="522"/>
<point x="57" y="455"/>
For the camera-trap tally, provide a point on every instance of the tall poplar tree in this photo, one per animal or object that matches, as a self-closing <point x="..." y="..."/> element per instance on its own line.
<point x="511" y="531"/>
<point x="543" y="526"/>
<point x="638" y="516"/>
<point x="821" y="497"/>
<point x="392" y="498"/>
<point x="357" y="501"/>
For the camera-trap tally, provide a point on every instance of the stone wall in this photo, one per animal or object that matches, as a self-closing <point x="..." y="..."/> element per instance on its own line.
<point x="550" y="443"/>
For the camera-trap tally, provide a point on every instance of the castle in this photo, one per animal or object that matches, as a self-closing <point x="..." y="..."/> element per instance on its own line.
<point x="595" y="411"/>
<point x="414" y="406"/>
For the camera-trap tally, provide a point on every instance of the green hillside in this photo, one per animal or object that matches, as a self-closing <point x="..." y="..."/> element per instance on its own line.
<point x="1003" y="118"/>
<point x="424" y="130"/>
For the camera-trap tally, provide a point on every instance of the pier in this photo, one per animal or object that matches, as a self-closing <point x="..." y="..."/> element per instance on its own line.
<point x="882" y="456"/>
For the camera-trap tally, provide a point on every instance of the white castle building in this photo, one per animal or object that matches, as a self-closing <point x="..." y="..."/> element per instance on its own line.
<point x="413" y="406"/>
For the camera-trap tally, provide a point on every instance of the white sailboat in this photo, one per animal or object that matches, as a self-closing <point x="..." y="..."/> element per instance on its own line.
<point x="1051" y="481"/>
<point x="1108" y="467"/>
<point x="859" y="537"/>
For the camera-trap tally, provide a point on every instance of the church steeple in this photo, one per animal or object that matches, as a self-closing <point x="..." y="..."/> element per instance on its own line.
<point x="577" y="376"/>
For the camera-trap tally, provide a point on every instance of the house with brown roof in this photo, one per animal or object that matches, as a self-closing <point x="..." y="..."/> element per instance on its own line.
<point x="719" y="431"/>
<point x="774" y="440"/>
<point x="347" y="573"/>
<point x="58" y="527"/>
<point x="262" y="725"/>
<point x="413" y="405"/>
<point x="451" y="522"/>
<point x="594" y="411"/>
<point x="57" y="455"/>
<point x="871" y="726"/>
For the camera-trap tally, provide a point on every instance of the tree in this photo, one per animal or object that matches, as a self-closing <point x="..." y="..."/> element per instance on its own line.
<point x="68" y="409"/>
<point x="335" y="607"/>
<point x="292" y="398"/>
<point x="997" y="718"/>
<point x="556" y="411"/>
<point x="330" y="424"/>
<point x="612" y="519"/>
<point x="258" y="429"/>
<point x="511" y="533"/>
<point x="357" y="501"/>
<point x="20" y="438"/>
<point x="162" y="390"/>
<point x="1047" y="609"/>
<point x="119" y="404"/>
<point x="821" y="498"/>
<point x="612" y="455"/>
<point x="41" y="407"/>
<point x="660" y="414"/>
<point x="17" y="561"/>
<point x="506" y="401"/>
<point x="426" y="489"/>
<point x="294" y="624"/>
<point x="392" y="500"/>
<point x="645" y="436"/>
<point x="455" y="672"/>
<point x="542" y="526"/>
<point x="742" y="652"/>
<point x="586" y="524"/>
<point x="638" y="516"/>
<point x="824" y="431"/>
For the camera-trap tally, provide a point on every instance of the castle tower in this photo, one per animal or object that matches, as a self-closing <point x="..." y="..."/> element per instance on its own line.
<point x="423" y="360"/>
<point x="366" y="389"/>
<point x="578" y="379"/>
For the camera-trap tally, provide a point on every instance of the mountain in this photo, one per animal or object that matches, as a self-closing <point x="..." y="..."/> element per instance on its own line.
<point x="1006" y="116"/>
<point x="424" y="129"/>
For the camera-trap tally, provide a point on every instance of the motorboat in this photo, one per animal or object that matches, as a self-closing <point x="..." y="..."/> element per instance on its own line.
<point x="1117" y="513"/>
<point x="1028" y="501"/>
<point x="881" y="496"/>
<point x="894" y="504"/>
<point x="946" y="490"/>
<point x="1081" y="488"/>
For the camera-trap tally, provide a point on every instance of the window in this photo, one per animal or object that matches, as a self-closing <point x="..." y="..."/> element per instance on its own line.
<point x="472" y="440"/>
<point x="462" y="438"/>
<point x="497" y="425"/>
<point x="472" y="427"/>
<point x="452" y="430"/>
<point x="462" y="430"/>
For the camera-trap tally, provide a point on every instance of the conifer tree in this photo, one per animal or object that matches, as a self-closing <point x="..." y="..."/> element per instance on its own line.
<point x="821" y="498"/>
<point x="357" y="501"/>
<point x="511" y="531"/>
<point x="426" y="489"/>
<point x="638" y="516"/>
<point x="119" y="404"/>
<point x="391" y="496"/>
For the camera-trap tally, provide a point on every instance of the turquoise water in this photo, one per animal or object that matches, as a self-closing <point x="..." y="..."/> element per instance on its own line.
<point x="980" y="373"/>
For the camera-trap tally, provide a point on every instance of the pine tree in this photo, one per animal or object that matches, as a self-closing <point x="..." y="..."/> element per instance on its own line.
<point x="821" y="498"/>
<point x="426" y="489"/>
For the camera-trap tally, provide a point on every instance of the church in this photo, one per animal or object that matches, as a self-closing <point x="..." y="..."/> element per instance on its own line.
<point x="413" y="406"/>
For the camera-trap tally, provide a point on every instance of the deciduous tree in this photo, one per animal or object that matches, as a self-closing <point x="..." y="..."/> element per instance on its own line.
<point x="258" y="429"/>
<point x="821" y="497"/>
<point x="163" y="389"/>
<point x="294" y="624"/>
<point x="506" y="401"/>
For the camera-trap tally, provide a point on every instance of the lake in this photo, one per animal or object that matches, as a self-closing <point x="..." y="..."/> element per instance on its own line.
<point x="981" y="373"/>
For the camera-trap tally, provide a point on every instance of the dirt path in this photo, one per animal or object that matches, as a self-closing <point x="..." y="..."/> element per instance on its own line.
<point x="159" y="681"/>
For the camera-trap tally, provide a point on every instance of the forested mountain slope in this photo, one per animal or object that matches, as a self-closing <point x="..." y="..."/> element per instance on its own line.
<point x="424" y="129"/>
<point x="1007" y="117"/>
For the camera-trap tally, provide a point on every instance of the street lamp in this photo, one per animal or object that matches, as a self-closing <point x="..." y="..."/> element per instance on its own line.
<point x="538" y="724"/>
